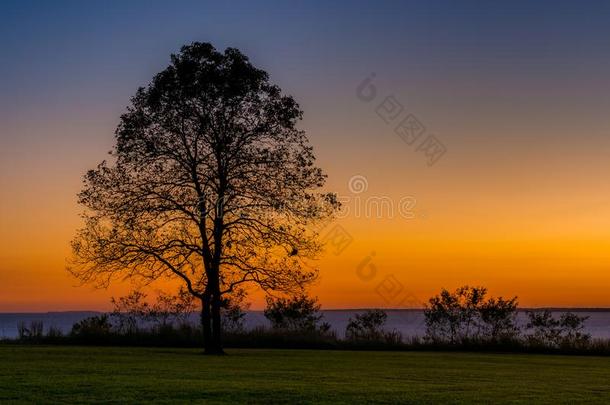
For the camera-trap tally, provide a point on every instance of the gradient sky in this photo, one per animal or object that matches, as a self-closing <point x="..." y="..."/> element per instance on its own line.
<point x="519" y="93"/>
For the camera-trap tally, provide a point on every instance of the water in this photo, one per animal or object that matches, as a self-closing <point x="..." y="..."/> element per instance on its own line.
<point x="9" y="322"/>
<point x="409" y="322"/>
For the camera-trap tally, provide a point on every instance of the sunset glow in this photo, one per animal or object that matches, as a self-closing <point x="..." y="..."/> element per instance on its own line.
<point x="519" y="202"/>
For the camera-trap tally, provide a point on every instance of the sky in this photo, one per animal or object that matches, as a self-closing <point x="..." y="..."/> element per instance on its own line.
<point x="515" y="93"/>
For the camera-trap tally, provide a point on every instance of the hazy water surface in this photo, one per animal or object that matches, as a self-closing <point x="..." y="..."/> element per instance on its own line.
<point x="409" y="322"/>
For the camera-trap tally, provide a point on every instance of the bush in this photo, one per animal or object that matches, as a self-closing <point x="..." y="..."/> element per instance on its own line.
<point x="93" y="327"/>
<point x="299" y="313"/>
<point x="33" y="331"/>
<point x="466" y="316"/>
<point x="565" y="332"/>
<point x="234" y="312"/>
<point x="572" y="330"/>
<point x="463" y="320"/>
<point x="368" y="327"/>
<point x="172" y="309"/>
<point x="497" y="317"/>
<point x="129" y="311"/>
<point x="132" y="313"/>
<point x="54" y="333"/>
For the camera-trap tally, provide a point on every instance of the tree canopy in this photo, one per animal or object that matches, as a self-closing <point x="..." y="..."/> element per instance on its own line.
<point x="210" y="182"/>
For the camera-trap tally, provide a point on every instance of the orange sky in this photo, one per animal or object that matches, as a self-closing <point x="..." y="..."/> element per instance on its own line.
<point x="519" y="203"/>
<point x="478" y="220"/>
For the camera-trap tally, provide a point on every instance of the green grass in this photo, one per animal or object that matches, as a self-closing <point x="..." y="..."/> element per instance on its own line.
<point x="120" y="375"/>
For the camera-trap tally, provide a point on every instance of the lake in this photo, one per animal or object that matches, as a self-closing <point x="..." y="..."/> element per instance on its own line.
<point x="410" y="322"/>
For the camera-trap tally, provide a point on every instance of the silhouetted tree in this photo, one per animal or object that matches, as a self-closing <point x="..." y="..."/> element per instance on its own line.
<point x="33" y="331"/>
<point x="368" y="326"/>
<point x="546" y="330"/>
<point x="466" y="314"/>
<point x="92" y="327"/>
<point x="233" y="311"/>
<point x="450" y="316"/>
<point x="298" y="313"/>
<point x="210" y="182"/>
<point x="172" y="309"/>
<point x="131" y="312"/>
<point x="498" y="319"/>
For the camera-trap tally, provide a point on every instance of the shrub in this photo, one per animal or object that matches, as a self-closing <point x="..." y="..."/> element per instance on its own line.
<point x="572" y="330"/>
<point x="234" y="312"/>
<point x="299" y="313"/>
<point x="54" y="333"/>
<point x="566" y="332"/>
<point x="33" y="331"/>
<point x="466" y="316"/>
<point x="497" y="317"/>
<point x="132" y="313"/>
<point x="94" y="326"/>
<point x="368" y="326"/>
<point x="129" y="311"/>
<point x="171" y="309"/>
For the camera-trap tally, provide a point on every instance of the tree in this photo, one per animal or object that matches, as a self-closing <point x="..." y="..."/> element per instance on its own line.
<point x="234" y="312"/>
<point x="131" y="312"/>
<point x="466" y="314"/>
<point x="451" y="316"/>
<point x="567" y="331"/>
<point x="299" y="313"/>
<point x="367" y="326"/>
<point x="92" y="327"/>
<point x="210" y="183"/>
<point x="498" y="318"/>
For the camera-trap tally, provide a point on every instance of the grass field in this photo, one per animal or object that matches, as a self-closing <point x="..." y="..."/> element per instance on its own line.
<point x="110" y="374"/>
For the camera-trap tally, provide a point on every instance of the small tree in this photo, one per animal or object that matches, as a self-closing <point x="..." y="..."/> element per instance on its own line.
<point x="33" y="331"/>
<point x="234" y="310"/>
<point x="367" y="326"/>
<point x="466" y="315"/>
<point x="572" y="330"/>
<point x="298" y="313"/>
<point x="172" y="309"/>
<point x="498" y="317"/>
<point x="94" y="326"/>
<point x="129" y="312"/>
<point x="452" y="316"/>
<point x="132" y="312"/>
<point x="567" y="331"/>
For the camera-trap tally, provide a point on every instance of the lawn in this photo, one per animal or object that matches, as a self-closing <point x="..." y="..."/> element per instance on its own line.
<point x="111" y="374"/>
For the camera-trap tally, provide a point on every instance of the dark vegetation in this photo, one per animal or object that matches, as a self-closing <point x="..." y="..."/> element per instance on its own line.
<point x="210" y="183"/>
<point x="465" y="319"/>
<point x="468" y="318"/>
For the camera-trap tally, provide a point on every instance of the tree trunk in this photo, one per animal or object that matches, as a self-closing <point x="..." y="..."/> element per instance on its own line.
<point x="216" y="324"/>
<point x="206" y="325"/>
<point x="213" y="343"/>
